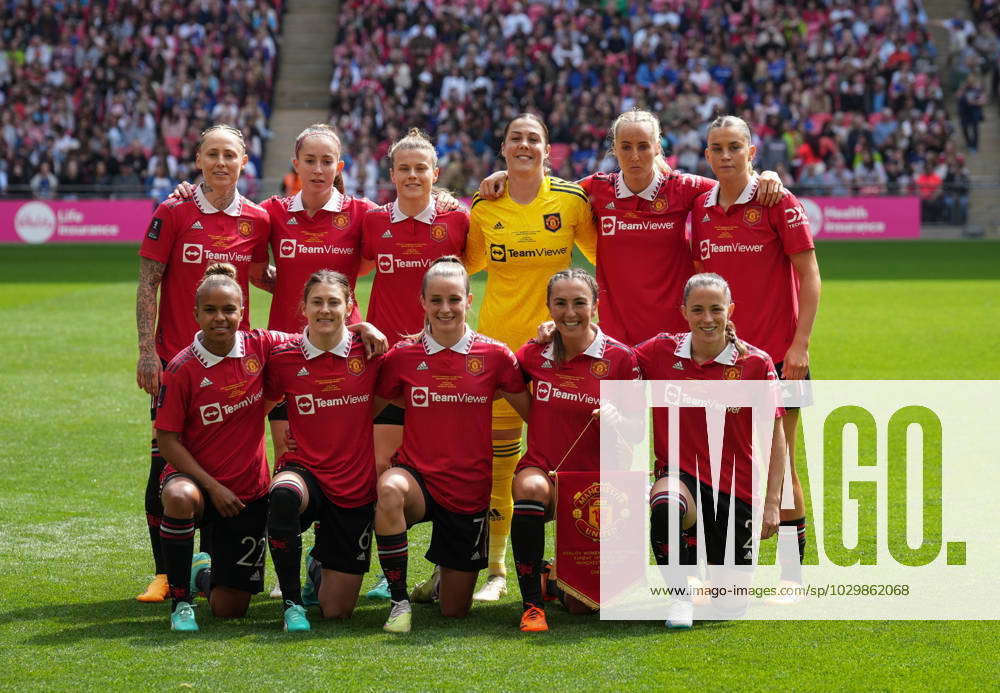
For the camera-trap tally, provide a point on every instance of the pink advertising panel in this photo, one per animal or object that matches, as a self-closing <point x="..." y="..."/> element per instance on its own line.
<point x="862" y="218"/>
<point x="84" y="221"/>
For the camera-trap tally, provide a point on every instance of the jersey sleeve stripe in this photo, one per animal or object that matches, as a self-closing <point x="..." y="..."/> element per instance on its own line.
<point x="570" y="191"/>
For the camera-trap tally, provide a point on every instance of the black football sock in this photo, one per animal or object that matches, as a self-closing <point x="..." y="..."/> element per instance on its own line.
<point x="663" y="532"/>
<point x="177" y="541"/>
<point x="527" y="538"/>
<point x="154" y="507"/>
<point x="393" y="553"/>
<point x="284" y="539"/>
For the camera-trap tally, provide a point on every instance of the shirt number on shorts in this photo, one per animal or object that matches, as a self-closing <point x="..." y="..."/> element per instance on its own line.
<point x="254" y="557"/>
<point x="481" y="521"/>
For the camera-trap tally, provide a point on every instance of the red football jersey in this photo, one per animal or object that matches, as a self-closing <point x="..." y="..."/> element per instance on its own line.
<point x="188" y="236"/>
<point x="668" y="357"/>
<point x="448" y="394"/>
<point x="563" y="397"/>
<point x="749" y="245"/>
<point x="403" y="248"/>
<point x="643" y="255"/>
<point x="329" y="397"/>
<point x="301" y="245"/>
<point x="216" y="405"/>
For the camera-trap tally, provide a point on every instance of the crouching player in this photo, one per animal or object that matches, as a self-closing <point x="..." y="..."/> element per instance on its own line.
<point x="210" y="424"/>
<point x="710" y="351"/>
<point x="329" y="476"/>
<point x="560" y="428"/>
<point x="447" y="377"/>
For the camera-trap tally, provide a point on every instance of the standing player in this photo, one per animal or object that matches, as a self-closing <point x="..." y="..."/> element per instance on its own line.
<point x="210" y="424"/>
<point x="216" y="223"/>
<point x="769" y="259"/>
<point x="566" y="377"/>
<point x="329" y="478"/>
<point x="448" y="377"/>
<point x="521" y="239"/>
<point x="402" y="239"/>
<point x="710" y="351"/>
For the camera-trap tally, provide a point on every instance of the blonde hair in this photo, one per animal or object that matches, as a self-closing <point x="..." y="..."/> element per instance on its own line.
<point x="217" y="275"/>
<point x="714" y="281"/>
<point x="224" y="128"/>
<point x="449" y="267"/>
<point x="414" y="139"/>
<point x="635" y="116"/>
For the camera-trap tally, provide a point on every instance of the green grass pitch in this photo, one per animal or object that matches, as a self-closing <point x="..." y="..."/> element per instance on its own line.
<point x="73" y="543"/>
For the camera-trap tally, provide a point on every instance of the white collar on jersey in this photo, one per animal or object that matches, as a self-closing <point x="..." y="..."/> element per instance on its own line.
<point x="727" y="357"/>
<point x="341" y="348"/>
<point x="622" y="191"/>
<point x="595" y="350"/>
<point x="208" y="359"/>
<point x="426" y="215"/>
<point x="334" y="204"/>
<point x="233" y="210"/>
<point x="462" y="346"/>
<point x="745" y="196"/>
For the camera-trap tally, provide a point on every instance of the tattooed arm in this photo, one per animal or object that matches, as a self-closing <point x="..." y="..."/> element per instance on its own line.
<point x="148" y="369"/>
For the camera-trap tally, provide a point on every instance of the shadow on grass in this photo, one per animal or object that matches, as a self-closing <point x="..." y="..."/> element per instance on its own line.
<point x="147" y="625"/>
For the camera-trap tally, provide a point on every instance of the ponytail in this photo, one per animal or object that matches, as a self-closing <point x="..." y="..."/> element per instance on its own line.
<point x="734" y="340"/>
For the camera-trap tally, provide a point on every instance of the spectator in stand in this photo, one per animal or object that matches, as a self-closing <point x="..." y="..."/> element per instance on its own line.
<point x="44" y="183"/>
<point x="957" y="185"/>
<point x="971" y="99"/>
<point x="929" y="188"/>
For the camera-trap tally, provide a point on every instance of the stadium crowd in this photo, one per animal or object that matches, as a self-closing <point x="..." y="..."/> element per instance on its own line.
<point x="843" y="94"/>
<point x="98" y="94"/>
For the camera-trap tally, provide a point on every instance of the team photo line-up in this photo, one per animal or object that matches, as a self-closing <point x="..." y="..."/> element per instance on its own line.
<point x="371" y="440"/>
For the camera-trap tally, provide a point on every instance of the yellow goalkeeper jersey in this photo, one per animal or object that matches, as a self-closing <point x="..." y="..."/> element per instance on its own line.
<point x="521" y="246"/>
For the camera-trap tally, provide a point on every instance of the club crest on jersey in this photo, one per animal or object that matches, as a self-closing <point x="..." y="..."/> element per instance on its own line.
<point x="553" y="222"/>
<point x="475" y="364"/>
<point x="245" y="227"/>
<point x="731" y="373"/>
<point x="341" y="221"/>
<point x="211" y="413"/>
<point x="600" y="368"/>
<point x="251" y="364"/>
<point x="439" y="232"/>
<point x="751" y="215"/>
<point x="355" y="365"/>
<point x="658" y="204"/>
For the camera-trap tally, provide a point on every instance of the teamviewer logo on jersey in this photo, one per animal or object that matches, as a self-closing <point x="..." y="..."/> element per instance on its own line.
<point x="498" y="252"/>
<point x="542" y="391"/>
<point x="419" y="397"/>
<point x="192" y="252"/>
<point x="286" y="248"/>
<point x="607" y="226"/>
<point x="706" y="250"/>
<point x="211" y="414"/>
<point x="386" y="265"/>
<point x="305" y="404"/>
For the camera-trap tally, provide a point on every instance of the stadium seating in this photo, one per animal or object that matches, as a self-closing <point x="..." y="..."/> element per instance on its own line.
<point x="841" y="93"/>
<point x="114" y="93"/>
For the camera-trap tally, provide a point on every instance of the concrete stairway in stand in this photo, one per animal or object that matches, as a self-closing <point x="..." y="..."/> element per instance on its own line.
<point x="302" y="91"/>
